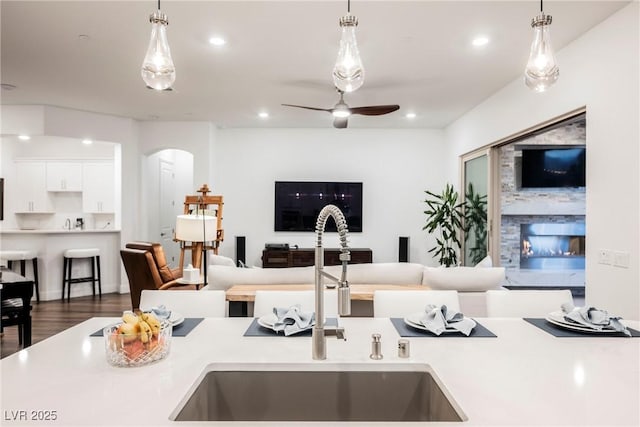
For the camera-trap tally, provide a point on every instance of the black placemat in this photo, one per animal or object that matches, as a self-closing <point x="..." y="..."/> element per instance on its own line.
<point x="181" y="330"/>
<point x="559" y="331"/>
<point x="407" y="331"/>
<point x="255" y="330"/>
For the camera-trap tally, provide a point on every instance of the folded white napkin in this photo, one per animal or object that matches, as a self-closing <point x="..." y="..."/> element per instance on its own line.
<point x="593" y="318"/>
<point x="292" y="320"/>
<point x="439" y="318"/>
<point x="161" y="312"/>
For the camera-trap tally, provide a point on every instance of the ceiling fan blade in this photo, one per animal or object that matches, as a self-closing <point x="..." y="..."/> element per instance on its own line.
<point x="340" y="122"/>
<point x="308" y="108"/>
<point x="375" y="110"/>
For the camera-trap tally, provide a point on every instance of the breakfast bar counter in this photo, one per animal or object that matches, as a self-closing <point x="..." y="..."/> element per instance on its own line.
<point x="59" y="231"/>
<point x="524" y="376"/>
<point x="50" y="244"/>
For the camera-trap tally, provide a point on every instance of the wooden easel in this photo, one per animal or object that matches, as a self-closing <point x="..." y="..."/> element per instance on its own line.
<point x="210" y="205"/>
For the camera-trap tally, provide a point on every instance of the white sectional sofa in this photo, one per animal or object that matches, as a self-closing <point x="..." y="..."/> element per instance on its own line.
<point x="470" y="282"/>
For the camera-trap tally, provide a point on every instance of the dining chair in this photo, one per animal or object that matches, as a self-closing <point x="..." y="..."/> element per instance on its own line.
<point x="265" y="301"/>
<point x="12" y="314"/>
<point x="188" y="303"/>
<point x="526" y="303"/>
<point x="402" y="303"/>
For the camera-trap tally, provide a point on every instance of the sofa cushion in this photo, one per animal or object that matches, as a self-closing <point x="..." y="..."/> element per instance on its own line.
<point x="387" y="273"/>
<point x="463" y="279"/>
<point x="222" y="260"/>
<point x="485" y="262"/>
<point x="223" y="277"/>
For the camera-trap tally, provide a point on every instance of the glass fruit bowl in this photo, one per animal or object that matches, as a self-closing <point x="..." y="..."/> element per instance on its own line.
<point x="135" y="349"/>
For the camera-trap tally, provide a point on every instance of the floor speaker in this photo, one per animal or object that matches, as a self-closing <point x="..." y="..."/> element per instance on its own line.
<point x="241" y="257"/>
<point x="403" y="249"/>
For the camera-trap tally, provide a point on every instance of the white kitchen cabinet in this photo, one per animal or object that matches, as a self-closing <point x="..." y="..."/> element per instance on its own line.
<point x="98" y="187"/>
<point x="30" y="189"/>
<point x="64" y="176"/>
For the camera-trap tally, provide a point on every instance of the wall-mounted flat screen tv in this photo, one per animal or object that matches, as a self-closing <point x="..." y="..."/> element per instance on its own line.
<point x="553" y="167"/>
<point x="298" y="203"/>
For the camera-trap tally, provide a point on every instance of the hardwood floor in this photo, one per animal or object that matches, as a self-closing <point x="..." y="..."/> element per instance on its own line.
<point x="51" y="317"/>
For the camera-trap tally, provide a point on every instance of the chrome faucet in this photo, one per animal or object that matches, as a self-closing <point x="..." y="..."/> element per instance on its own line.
<point x="67" y="224"/>
<point x="318" y="341"/>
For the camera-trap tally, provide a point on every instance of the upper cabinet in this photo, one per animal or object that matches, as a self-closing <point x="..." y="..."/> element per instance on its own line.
<point x="31" y="195"/>
<point x="63" y="176"/>
<point x="98" y="190"/>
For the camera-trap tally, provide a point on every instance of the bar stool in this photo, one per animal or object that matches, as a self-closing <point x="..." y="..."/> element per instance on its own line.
<point x="69" y="255"/>
<point x="23" y="257"/>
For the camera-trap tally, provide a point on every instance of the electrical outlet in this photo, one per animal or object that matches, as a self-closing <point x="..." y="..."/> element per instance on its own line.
<point x="605" y="256"/>
<point x="621" y="259"/>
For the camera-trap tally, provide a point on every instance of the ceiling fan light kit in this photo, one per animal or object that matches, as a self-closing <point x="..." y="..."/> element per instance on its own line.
<point x="542" y="69"/>
<point x="158" y="71"/>
<point x="341" y="111"/>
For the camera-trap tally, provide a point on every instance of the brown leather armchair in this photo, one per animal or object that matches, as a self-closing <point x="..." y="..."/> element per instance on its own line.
<point x="146" y="267"/>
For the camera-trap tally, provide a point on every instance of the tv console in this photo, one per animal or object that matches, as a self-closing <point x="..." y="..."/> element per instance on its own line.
<point x="304" y="257"/>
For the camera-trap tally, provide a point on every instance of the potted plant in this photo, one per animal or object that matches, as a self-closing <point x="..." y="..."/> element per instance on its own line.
<point x="450" y="218"/>
<point x="445" y="215"/>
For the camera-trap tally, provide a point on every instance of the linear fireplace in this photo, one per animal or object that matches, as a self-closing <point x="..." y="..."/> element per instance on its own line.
<point x="552" y="246"/>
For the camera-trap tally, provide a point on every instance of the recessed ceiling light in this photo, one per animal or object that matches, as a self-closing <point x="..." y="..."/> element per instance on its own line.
<point x="217" y="41"/>
<point x="263" y="115"/>
<point x="83" y="37"/>
<point x="24" y="137"/>
<point x="410" y="115"/>
<point x="480" y="41"/>
<point x="87" y="141"/>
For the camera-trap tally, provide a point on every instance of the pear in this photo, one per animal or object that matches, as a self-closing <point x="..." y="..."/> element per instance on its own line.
<point x="128" y="331"/>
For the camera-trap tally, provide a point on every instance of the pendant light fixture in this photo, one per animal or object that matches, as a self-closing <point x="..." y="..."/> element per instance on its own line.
<point x="348" y="73"/>
<point x="542" y="70"/>
<point x="158" y="71"/>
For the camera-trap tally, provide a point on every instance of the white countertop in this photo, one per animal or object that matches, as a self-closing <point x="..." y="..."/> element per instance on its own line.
<point x="58" y="231"/>
<point x="523" y="377"/>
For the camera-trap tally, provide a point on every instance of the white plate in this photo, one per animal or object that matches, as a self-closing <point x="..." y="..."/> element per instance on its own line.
<point x="557" y="318"/>
<point x="176" y="318"/>
<point x="267" y="321"/>
<point x="414" y="320"/>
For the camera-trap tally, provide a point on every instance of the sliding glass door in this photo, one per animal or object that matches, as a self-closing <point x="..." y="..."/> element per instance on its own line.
<point x="475" y="189"/>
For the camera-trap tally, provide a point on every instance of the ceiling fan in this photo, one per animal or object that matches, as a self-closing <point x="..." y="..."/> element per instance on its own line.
<point x="341" y="111"/>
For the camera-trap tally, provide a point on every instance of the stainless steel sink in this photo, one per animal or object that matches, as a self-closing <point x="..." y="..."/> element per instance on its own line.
<point x="318" y="392"/>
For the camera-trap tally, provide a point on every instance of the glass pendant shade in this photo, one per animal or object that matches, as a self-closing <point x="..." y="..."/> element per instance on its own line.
<point x="542" y="70"/>
<point x="348" y="73"/>
<point x="158" y="71"/>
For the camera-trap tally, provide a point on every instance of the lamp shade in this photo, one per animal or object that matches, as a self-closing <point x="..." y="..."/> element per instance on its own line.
<point x="196" y="228"/>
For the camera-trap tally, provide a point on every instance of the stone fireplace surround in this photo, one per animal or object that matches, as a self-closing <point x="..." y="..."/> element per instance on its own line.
<point x="524" y="206"/>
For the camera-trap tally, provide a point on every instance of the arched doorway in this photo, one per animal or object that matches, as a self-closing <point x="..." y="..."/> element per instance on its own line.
<point x="167" y="179"/>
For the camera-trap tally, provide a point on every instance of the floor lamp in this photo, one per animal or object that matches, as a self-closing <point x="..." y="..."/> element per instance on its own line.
<point x="197" y="229"/>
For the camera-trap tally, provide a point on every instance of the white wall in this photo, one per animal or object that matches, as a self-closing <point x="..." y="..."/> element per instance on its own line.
<point x="194" y="137"/>
<point x="599" y="70"/>
<point x="395" y="166"/>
